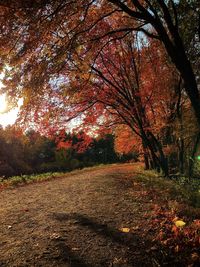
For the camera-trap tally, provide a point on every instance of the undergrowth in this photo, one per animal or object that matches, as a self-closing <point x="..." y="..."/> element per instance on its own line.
<point x="30" y="178"/>
<point x="25" y="179"/>
<point x="180" y="188"/>
<point x="174" y="215"/>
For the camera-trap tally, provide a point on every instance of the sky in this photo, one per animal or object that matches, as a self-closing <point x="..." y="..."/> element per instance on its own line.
<point x="7" y="118"/>
<point x="10" y="117"/>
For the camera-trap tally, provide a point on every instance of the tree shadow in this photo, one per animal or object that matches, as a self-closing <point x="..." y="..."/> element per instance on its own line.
<point x="127" y="239"/>
<point x="134" y="247"/>
<point x="129" y="242"/>
<point x="67" y="256"/>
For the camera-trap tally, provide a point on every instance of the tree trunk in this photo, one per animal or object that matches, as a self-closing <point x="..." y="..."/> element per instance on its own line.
<point x="146" y="156"/>
<point x="154" y="145"/>
<point x="191" y="88"/>
<point x="192" y="158"/>
<point x="163" y="162"/>
<point x="181" y="145"/>
<point x="181" y="156"/>
<point x="183" y="65"/>
<point x="154" y="162"/>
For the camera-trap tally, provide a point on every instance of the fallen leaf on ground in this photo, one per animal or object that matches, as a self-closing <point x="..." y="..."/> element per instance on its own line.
<point x="179" y="223"/>
<point x="125" y="230"/>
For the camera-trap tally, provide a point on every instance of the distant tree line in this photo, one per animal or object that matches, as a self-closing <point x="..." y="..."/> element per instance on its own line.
<point x="34" y="153"/>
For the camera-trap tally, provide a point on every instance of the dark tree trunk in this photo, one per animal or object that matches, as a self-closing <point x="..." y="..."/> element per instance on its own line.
<point x="146" y="161"/>
<point x="146" y="156"/>
<point x="191" y="87"/>
<point x="162" y="159"/>
<point x="181" y="156"/>
<point x="180" y="142"/>
<point x="159" y="163"/>
<point x="177" y="53"/>
<point x="192" y="158"/>
<point x="154" y="162"/>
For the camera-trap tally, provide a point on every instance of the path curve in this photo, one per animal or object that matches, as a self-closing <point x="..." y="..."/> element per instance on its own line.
<point x="73" y="221"/>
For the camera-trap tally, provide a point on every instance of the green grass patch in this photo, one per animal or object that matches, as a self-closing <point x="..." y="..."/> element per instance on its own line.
<point x="181" y="189"/>
<point x="25" y="179"/>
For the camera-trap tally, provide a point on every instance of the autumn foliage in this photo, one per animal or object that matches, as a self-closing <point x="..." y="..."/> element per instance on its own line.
<point x="104" y="64"/>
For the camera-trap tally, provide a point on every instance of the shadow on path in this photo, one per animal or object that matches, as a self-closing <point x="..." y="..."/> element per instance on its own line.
<point x="127" y="239"/>
<point x="66" y="255"/>
<point x="128" y="246"/>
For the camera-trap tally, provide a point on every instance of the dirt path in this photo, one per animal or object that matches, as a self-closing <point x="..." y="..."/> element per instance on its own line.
<point x="75" y="221"/>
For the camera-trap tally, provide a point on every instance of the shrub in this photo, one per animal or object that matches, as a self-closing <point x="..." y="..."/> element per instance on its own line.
<point x="48" y="167"/>
<point x="6" y="170"/>
<point x="74" y="164"/>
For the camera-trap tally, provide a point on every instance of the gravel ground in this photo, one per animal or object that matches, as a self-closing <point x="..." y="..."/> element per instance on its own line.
<point x="76" y="220"/>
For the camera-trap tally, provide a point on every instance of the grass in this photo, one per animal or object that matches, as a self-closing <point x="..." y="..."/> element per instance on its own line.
<point x="25" y="179"/>
<point x="180" y="189"/>
<point x="31" y="178"/>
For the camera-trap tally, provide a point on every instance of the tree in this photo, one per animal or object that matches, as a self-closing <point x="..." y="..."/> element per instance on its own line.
<point x="12" y="157"/>
<point x="119" y="94"/>
<point x="87" y="22"/>
<point x="128" y="144"/>
<point x="164" y="19"/>
<point x="38" y="149"/>
<point x="103" y="150"/>
<point x="53" y="57"/>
